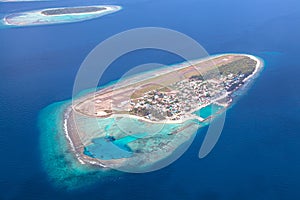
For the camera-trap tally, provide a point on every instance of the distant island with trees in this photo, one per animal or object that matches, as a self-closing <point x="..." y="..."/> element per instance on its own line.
<point x="58" y="15"/>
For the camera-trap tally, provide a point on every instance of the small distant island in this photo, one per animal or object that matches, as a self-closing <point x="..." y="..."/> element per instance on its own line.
<point x="63" y="11"/>
<point x="58" y="15"/>
<point x="142" y="122"/>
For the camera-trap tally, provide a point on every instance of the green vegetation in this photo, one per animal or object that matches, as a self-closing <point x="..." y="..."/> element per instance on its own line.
<point x="62" y="11"/>
<point x="244" y="66"/>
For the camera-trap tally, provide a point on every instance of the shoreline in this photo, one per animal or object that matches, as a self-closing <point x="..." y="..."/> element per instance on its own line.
<point x="258" y="67"/>
<point x="108" y="8"/>
<point x="115" y="84"/>
<point x="75" y="143"/>
<point x="77" y="146"/>
<point x="36" y="17"/>
<point x="190" y="115"/>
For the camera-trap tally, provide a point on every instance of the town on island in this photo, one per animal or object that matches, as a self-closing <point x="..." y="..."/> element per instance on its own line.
<point x="172" y="103"/>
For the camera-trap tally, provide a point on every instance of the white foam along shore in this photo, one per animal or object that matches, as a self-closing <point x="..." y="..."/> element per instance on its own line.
<point x="258" y="67"/>
<point x="71" y="143"/>
<point x="37" y="17"/>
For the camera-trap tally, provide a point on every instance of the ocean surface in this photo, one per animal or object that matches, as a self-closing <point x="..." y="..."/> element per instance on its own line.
<point x="257" y="155"/>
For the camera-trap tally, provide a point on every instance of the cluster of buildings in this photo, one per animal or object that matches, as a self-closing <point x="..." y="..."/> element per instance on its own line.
<point x="185" y="97"/>
<point x="232" y="81"/>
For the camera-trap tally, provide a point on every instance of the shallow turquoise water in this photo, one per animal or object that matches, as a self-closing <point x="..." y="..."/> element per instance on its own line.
<point x="106" y="150"/>
<point x="257" y="156"/>
<point x="33" y="18"/>
<point x="208" y="111"/>
<point x="125" y="140"/>
<point x="115" y="135"/>
<point x="63" y="168"/>
<point x="60" y="164"/>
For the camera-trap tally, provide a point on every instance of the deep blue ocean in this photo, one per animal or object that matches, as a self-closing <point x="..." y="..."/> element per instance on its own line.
<point x="258" y="153"/>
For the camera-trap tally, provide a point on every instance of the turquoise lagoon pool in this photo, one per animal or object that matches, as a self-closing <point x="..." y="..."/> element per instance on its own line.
<point x="209" y="111"/>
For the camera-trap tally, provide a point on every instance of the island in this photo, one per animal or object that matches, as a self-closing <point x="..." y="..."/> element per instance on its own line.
<point x="64" y="11"/>
<point x="141" y="120"/>
<point x="58" y="15"/>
